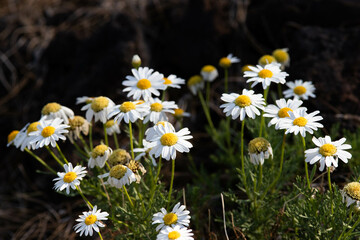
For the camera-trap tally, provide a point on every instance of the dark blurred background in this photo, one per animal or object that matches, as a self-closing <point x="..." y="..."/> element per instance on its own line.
<point x="57" y="50"/>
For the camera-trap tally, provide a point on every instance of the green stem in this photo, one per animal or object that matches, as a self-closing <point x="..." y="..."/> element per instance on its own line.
<point x="207" y="113"/>
<point x="306" y="165"/>
<point x="262" y="119"/>
<point x="172" y="179"/>
<point x="101" y="238"/>
<point x="105" y="136"/>
<point x="86" y="147"/>
<point x="116" y="140"/>
<point x="90" y="138"/>
<point x="260" y="176"/>
<point x="153" y="188"/>
<point x="40" y="161"/>
<point x="61" y="153"/>
<point x="127" y="195"/>
<point x="351" y="230"/>
<point x="242" y="158"/>
<point x="226" y="78"/>
<point x="80" y="150"/>
<point x="331" y="192"/>
<point x="54" y="156"/>
<point x="83" y="196"/>
<point x="329" y="179"/>
<point x="131" y="141"/>
<point x="163" y="95"/>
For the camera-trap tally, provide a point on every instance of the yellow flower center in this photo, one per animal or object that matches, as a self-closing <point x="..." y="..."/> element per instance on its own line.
<point x="178" y="112"/>
<point x="242" y="101"/>
<point x="266" y="59"/>
<point x="143" y="84"/>
<point x="225" y="62"/>
<point x="167" y="81"/>
<point x="353" y="190"/>
<point x="174" y="235"/>
<point x="69" y="177"/>
<point x="169" y="139"/>
<point x="246" y="68"/>
<point x="170" y="218"/>
<point x="50" y="108"/>
<point x="156" y="107"/>
<point x="194" y="80"/>
<point x="265" y="73"/>
<point x="91" y="219"/>
<point x="258" y="145"/>
<point x="299" y="90"/>
<point x="47" y="131"/>
<point x="99" y="103"/>
<point x="283" y="112"/>
<point x="161" y="122"/>
<point x="127" y="106"/>
<point x="32" y="127"/>
<point x="208" y="68"/>
<point x="109" y="123"/>
<point x="99" y="150"/>
<point x="280" y="55"/>
<point x="327" y="150"/>
<point x="300" y="121"/>
<point x="118" y="171"/>
<point x="12" y="135"/>
<point x="76" y="122"/>
<point x="133" y="166"/>
<point x="119" y="156"/>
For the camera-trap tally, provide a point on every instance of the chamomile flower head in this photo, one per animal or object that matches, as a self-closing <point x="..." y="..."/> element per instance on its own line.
<point x="137" y="168"/>
<point x="175" y="233"/>
<point x="151" y="131"/>
<point x="49" y="132"/>
<point x="144" y="151"/>
<point x="246" y="68"/>
<point x="143" y="83"/>
<point x="99" y="155"/>
<point x="54" y="110"/>
<point x="165" y="141"/>
<point x="136" y="61"/>
<point x="179" y="113"/>
<point x="129" y="111"/>
<point x="265" y="75"/>
<point x="280" y="111"/>
<point x="281" y="56"/>
<point x="98" y="109"/>
<point x="327" y="152"/>
<point x="78" y="125"/>
<point x="209" y="73"/>
<point x="300" y="121"/>
<point x="179" y="216"/>
<point x="70" y="178"/>
<point x="23" y="139"/>
<point x="84" y="99"/>
<point x="173" y="81"/>
<point x="119" y="156"/>
<point x="247" y="103"/>
<point x="351" y="194"/>
<point x="259" y="150"/>
<point x="226" y="62"/>
<point x="195" y="83"/>
<point x="90" y="221"/>
<point x="158" y="110"/>
<point x="300" y="90"/>
<point x="112" y="127"/>
<point x="119" y="176"/>
<point x="266" y="59"/>
<point x="11" y="137"/>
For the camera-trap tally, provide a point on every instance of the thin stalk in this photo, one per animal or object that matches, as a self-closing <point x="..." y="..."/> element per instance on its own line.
<point x="163" y="95"/>
<point x="100" y="235"/>
<point x="116" y="140"/>
<point x="80" y="150"/>
<point x="350" y="231"/>
<point x="242" y="157"/>
<point x="152" y="192"/>
<point x="40" y="161"/>
<point x="90" y="138"/>
<point x="131" y="141"/>
<point x="226" y="78"/>
<point x="306" y="165"/>
<point x="127" y="195"/>
<point x="84" y="143"/>
<point x="260" y="175"/>
<point x="262" y="119"/>
<point x="172" y="179"/>
<point x="105" y="136"/>
<point x="61" y="153"/>
<point x="85" y="199"/>
<point x="207" y="113"/>
<point x="331" y="192"/>
<point x="54" y="156"/>
<point x="329" y="179"/>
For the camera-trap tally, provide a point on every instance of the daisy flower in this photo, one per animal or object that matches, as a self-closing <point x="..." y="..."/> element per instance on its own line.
<point x="158" y="110"/>
<point x="136" y="61"/>
<point x="266" y="59"/>
<point x="11" y="137"/>
<point x="90" y="221"/>
<point x="301" y="122"/>
<point x="144" y="151"/>
<point x="23" y="139"/>
<point x="259" y="150"/>
<point x="70" y="178"/>
<point x="78" y="125"/>
<point x="300" y="90"/>
<point x="165" y="141"/>
<point x="151" y="131"/>
<point x="98" y="108"/>
<point x="49" y="131"/>
<point x="246" y="68"/>
<point x="327" y="152"/>
<point x="280" y="111"/>
<point x="119" y="176"/>
<point x="226" y="62"/>
<point x="144" y="83"/>
<point x="180" y="113"/>
<point x="54" y="110"/>
<point x="281" y="56"/>
<point x="209" y="73"/>
<point x="195" y="83"/>
<point x="351" y="194"/>
<point x="84" y="99"/>
<point x="265" y="75"/>
<point x="137" y="168"/>
<point x="177" y="217"/>
<point x="99" y="155"/>
<point x="119" y="156"/>
<point x="129" y="111"/>
<point x="240" y="105"/>
<point x="173" y="81"/>
<point x="177" y="232"/>
<point x="112" y="127"/>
